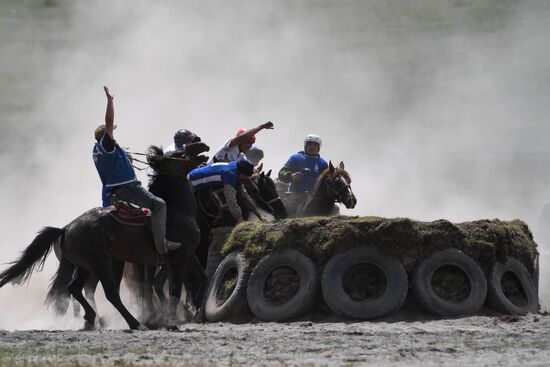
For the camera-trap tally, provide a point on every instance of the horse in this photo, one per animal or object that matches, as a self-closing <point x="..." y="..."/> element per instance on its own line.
<point x="262" y="190"/>
<point x="332" y="186"/>
<point x="212" y="214"/>
<point x="98" y="243"/>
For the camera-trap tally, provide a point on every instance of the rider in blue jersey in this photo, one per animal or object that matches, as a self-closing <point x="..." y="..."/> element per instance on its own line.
<point x="119" y="179"/>
<point x="228" y="177"/>
<point x="303" y="169"/>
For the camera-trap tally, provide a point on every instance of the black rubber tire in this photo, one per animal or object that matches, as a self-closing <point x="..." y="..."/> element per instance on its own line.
<point x="299" y="302"/>
<point x="497" y="297"/>
<point x="341" y="302"/>
<point x="214" y="260"/>
<point x="218" y="237"/>
<point x="214" y="310"/>
<point x="444" y="306"/>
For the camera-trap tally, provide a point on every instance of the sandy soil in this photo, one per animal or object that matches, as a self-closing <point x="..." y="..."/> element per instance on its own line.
<point x="480" y="340"/>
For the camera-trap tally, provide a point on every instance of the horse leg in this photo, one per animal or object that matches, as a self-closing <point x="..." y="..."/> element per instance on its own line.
<point x="89" y="290"/>
<point x="175" y="282"/>
<point x="75" y="288"/>
<point x="158" y="283"/>
<point x="145" y="287"/>
<point x="110" y="283"/>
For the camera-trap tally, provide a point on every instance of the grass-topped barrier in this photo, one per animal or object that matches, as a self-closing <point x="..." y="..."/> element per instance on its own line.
<point x="365" y="266"/>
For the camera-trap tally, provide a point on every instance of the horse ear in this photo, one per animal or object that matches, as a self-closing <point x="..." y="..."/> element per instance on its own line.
<point x="260" y="167"/>
<point x="262" y="176"/>
<point x="268" y="173"/>
<point x="341" y="165"/>
<point x="330" y="167"/>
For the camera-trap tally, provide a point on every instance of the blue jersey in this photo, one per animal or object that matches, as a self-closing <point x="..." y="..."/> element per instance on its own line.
<point x="215" y="175"/>
<point x="113" y="166"/>
<point x="310" y="166"/>
<point x="106" y="196"/>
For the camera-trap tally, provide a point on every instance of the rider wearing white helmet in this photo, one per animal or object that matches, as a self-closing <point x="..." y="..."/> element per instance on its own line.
<point x="303" y="168"/>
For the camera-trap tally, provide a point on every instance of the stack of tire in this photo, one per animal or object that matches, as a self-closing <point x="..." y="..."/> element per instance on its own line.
<point x="363" y="282"/>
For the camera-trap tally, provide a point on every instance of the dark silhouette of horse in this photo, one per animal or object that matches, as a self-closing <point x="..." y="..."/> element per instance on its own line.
<point x="333" y="186"/>
<point x="264" y="192"/>
<point x="98" y="243"/>
<point x="261" y="189"/>
<point x="153" y="279"/>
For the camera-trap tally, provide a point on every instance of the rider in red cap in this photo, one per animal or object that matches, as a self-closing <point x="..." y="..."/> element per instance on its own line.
<point x="241" y="143"/>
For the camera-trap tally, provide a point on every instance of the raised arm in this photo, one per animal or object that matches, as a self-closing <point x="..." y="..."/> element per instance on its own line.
<point x="110" y="113"/>
<point x="244" y="137"/>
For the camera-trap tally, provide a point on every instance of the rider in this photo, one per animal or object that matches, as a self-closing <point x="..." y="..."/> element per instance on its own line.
<point x="229" y="177"/>
<point x="117" y="174"/>
<point x="241" y="143"/>
<point x="182" y="137"/>
<point x="303" y="169"/>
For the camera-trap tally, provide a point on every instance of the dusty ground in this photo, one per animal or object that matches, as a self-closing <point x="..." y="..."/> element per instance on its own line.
<point x="480" y="340"/>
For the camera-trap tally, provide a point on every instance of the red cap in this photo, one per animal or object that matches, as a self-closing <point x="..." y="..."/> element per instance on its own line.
<point x="250" y="140"/>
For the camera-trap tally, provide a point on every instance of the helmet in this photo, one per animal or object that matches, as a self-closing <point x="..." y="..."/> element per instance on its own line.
<point x="250" y="140"/>
<point x="182" y="137"/>
<point x="254" y="155"/>
<point x="312" y="138"/>
<point x="245" y="167"/>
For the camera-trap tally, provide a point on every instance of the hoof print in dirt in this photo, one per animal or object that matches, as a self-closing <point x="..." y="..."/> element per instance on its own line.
<point x="511" y="290"/>
<point x="282" y="286"/>
<point x="450" y="283"/>
<point x="362" y="283"/>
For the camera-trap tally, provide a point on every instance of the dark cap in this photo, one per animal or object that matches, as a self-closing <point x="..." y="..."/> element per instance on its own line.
<point x="245" y="167"/>
<point x="182" y="137"/>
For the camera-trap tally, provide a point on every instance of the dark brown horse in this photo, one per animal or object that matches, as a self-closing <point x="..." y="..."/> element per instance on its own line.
<point x="98" y="244"/>
<point x="332" y="186"/>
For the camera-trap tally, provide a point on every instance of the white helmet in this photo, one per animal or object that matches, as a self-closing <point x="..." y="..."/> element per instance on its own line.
<point x="312" y="138"/>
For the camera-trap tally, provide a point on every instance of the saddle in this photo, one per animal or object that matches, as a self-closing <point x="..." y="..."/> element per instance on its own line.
<point x="127" y="213"/>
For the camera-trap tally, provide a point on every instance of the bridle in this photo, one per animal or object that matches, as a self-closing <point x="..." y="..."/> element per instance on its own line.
<point x="336" y="192"/>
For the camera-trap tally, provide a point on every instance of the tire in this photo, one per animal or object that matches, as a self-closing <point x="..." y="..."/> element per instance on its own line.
<point x="348" y="292"/>
<point x="214" y="250"/>
<point x="218" y="306"/>
<point x="511" y="290"/>
<point x="449" y="283"/>
<point x="268" y="300"/>
<point x="214" y="260"/>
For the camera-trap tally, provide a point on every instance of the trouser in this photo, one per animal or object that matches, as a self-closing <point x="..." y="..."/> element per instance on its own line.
<point x="134" y="193"/>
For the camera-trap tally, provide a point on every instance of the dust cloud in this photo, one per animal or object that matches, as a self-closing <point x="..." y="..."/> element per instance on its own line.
<point x="437" y="108"/>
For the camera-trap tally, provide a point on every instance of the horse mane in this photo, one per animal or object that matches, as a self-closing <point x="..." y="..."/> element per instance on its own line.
<point x="155" y="156"/>
<point x="337" y="172"/>
<point x="324" y="175"/>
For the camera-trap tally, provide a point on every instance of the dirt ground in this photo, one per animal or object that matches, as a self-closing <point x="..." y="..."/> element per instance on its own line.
<point x="479" y="340"/>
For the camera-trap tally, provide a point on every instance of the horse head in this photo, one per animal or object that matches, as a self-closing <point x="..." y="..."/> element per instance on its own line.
<point x="179" y="162"/>
<point x="268" y="192"/>
<point x="338" y="185"/>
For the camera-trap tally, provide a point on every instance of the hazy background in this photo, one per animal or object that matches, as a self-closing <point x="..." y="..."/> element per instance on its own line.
<point x="437" y="107"/>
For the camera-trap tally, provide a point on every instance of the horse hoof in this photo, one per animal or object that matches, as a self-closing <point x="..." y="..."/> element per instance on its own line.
<point x="141" y="327"/>
<point x="102" y="321"/>
<point x="88" y="326"/>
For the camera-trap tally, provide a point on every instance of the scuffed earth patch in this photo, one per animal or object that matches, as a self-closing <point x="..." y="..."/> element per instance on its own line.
<point x="480" y="340"/>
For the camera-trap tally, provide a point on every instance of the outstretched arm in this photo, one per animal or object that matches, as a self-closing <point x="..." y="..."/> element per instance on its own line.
<point x="110" y="113"/>
<point x="244" y="137"/>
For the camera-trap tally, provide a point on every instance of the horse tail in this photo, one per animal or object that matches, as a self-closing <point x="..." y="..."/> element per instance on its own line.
<point x="32" y="257"/>
<point x="58" y="293"/>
